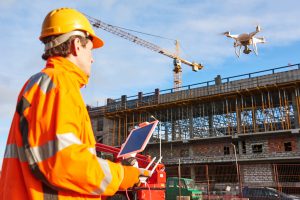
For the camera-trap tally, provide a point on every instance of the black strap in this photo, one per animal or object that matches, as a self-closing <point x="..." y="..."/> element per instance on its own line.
<point x="50" y="191"/>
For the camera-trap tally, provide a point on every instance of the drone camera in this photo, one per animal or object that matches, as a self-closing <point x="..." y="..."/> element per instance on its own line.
<point x="247" y="51"/>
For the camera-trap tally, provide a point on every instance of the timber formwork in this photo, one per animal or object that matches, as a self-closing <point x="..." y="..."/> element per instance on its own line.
<point x="240" y="122"/>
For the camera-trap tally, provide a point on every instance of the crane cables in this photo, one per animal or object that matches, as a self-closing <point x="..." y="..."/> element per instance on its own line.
<point x="123" y="34"/>
<point x="119" y="32"/>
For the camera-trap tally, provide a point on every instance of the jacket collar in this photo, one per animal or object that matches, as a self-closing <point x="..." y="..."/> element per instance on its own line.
<point x="64" y="64"/>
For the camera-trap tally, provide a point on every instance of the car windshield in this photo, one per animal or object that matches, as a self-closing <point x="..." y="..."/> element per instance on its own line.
<point x="274" y="192"/>
<point x="190" y="184"/>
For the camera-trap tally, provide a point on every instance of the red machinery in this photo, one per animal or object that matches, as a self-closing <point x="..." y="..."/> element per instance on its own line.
<point x="155" y="187"/>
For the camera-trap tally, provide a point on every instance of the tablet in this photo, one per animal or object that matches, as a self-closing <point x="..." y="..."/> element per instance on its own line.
<point x="137" y="140"/>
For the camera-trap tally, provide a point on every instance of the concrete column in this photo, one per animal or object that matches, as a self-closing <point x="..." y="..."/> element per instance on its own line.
<point x="156" y="92"/>
<point x="193" y="172"/>
<point x="123" y="101"/>
<point x="298" y="143"/>
<point x="109" y="101"/>
<point x="173" y="131"/>
<point x="191" y="122"/>
<point x="253" y="113"/>
<point x="107" y="128"/>
<point x="238" y="115"/>
<point x="140" y="98"/>
<point x="210" y="122"/>
<point x="166" y="131"/>
<point x="172" y="125"/>
<point x="296" y="114"/>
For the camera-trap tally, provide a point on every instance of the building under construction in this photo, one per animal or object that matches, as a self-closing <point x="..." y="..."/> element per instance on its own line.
<point x="227" y="134"/>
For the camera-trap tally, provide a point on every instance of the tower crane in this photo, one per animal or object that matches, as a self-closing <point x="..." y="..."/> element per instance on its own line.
<point x="177" y="71"/>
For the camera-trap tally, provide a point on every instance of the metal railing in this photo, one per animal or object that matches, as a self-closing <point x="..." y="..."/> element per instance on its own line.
<point x="208" y="88"/>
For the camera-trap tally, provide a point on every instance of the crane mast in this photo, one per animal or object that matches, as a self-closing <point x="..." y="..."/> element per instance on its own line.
<point x="123" y="34"/>
<point x="177" y="71"/>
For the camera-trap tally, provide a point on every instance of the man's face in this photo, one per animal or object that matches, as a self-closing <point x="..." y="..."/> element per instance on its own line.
<point x="85" y="58"/>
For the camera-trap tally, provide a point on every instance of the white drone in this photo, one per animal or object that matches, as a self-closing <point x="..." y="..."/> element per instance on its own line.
<point x="245" y="40"/>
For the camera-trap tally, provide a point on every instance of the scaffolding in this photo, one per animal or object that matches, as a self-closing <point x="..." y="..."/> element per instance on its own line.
<point x="258" y="103"/>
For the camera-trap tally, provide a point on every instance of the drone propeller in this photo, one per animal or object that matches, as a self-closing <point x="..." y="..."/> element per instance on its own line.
<point x="258" y="28"/>
<point x="259" y="40"/>
<point x="227" y="33"/>
<point x="224" y="33"/>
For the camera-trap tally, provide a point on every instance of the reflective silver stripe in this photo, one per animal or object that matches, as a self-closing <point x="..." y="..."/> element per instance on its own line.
<point x="67" y="139"/>
<point x="44" y="152"/>
<point x="43" y="80"/>
<point x="29" y="157"/>
<point x="93" y="151"/>
<point x="13" y="151"/>
<point x="107" y="178"/>
<point x="49" y="149"/>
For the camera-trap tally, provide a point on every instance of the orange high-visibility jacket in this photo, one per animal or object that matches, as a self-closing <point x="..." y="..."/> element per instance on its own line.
<point x="50" y="152"/>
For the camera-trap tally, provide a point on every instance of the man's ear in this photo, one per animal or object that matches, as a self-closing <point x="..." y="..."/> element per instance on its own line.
<point x="76" y="46"/>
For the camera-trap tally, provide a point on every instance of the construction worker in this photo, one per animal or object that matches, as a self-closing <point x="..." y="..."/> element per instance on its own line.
<point x="50" y="152"/>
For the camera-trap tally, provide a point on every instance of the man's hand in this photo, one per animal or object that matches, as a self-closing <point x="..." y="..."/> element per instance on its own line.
<point x="129" y="161"/>
<point x="132" y="175"/>
<point x="144" y="172"/>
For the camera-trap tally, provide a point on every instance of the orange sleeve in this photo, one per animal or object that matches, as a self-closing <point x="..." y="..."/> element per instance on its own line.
<point x="63" y="145"/>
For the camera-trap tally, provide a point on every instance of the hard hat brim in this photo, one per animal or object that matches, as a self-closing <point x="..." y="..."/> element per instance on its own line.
<point x="97" y="42"/>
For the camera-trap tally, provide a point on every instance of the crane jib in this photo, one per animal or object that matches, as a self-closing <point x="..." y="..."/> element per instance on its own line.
<point x="123" y="34"/>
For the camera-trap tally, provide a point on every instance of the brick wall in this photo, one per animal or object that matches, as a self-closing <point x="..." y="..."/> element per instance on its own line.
<point x="276" y="145"/>
<point x="258" y="174"/>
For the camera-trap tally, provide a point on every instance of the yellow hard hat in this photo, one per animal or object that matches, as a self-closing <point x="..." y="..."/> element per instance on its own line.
<point x="65" y="20"/>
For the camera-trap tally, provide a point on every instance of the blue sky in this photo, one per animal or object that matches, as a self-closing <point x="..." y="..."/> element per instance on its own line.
<point x="122" y="67"/>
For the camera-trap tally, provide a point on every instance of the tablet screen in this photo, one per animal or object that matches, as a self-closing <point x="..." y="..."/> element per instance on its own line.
<point x="138" y="139"/>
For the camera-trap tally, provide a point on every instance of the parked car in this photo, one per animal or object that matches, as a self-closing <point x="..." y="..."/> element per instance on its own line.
<point x="266" y="193"/>
<point x="186" y="188"/>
